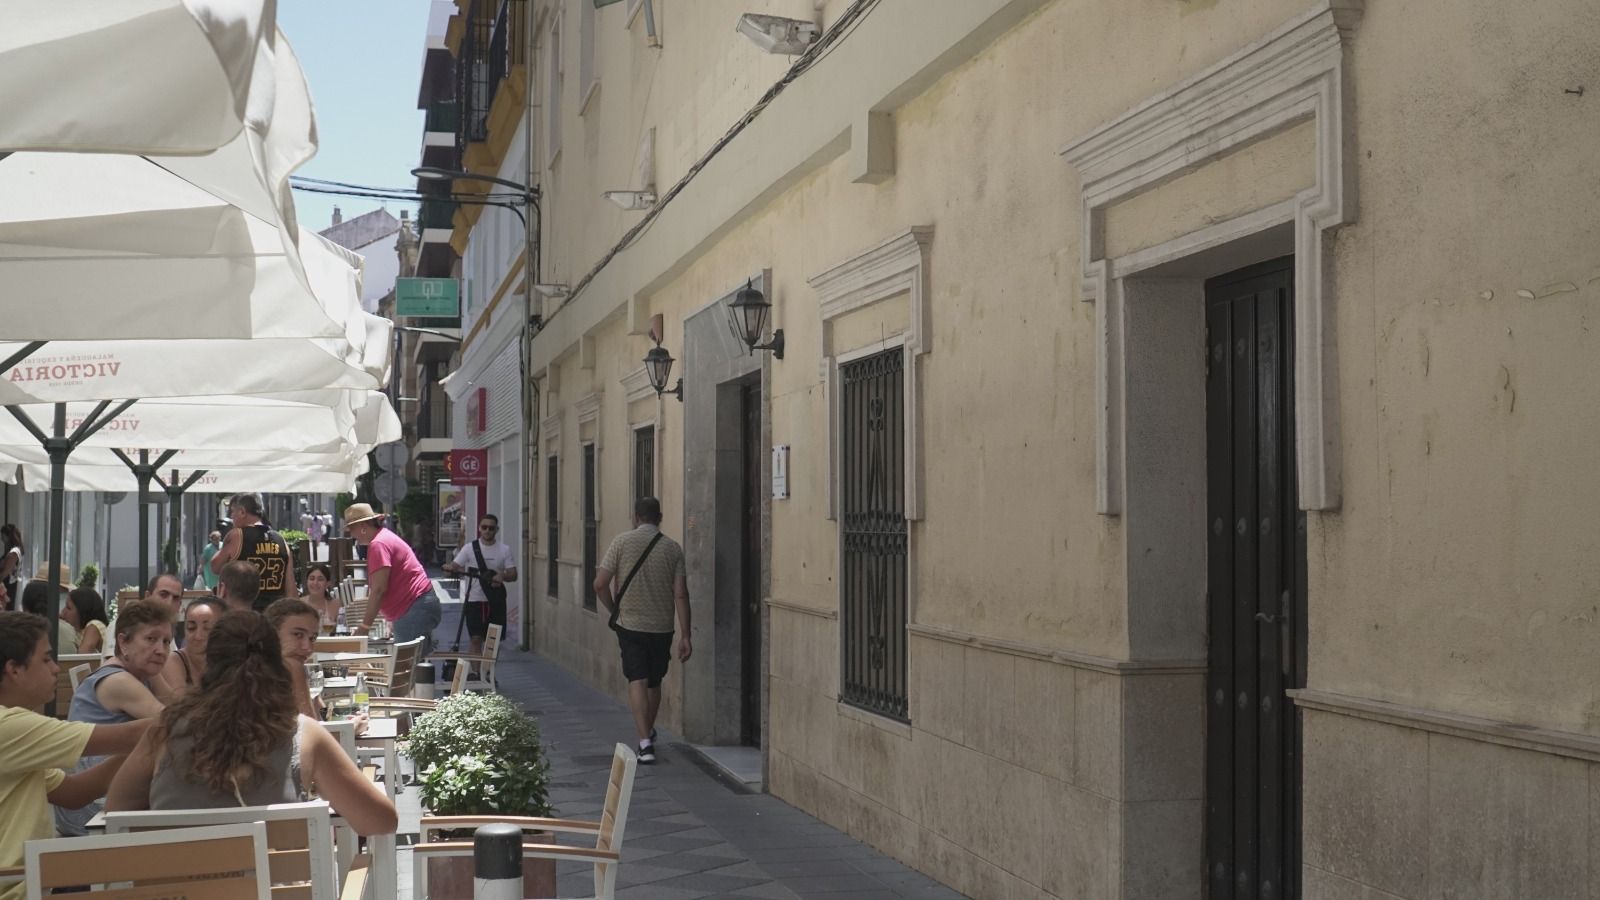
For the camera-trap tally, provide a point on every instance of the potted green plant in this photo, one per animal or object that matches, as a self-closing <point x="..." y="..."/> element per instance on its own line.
<point x="89" y="576"/>
<point x="480" y="755"/>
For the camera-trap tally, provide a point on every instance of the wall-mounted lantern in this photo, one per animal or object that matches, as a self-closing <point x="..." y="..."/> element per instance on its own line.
<point x="747" y="317"/>
<point x="658" y="365"/>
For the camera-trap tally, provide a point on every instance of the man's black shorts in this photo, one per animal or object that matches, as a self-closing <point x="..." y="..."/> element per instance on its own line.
<point x="645" y="655"/>
<point x="481" y="615"/>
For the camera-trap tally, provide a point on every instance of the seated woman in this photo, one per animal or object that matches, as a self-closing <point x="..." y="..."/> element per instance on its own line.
<point x="186" y="666"/>
<point x="123" y="689"/>
<point x="319" y="581"/>
<point x="295" y="621"/>
<point x="237" y="741"/>
<point x="86" y="611"/>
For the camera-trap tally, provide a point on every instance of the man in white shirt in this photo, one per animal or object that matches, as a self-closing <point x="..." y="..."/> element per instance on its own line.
<point x="484" y="595"/>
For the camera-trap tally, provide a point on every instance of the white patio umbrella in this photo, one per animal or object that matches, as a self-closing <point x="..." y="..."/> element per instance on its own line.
<point x="269" y="427"/>
<point x="151" y="246"/>
<point x="135" y="76"/>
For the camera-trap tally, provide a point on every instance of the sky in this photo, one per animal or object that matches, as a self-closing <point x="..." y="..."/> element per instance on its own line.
<point x="363" y="59"/>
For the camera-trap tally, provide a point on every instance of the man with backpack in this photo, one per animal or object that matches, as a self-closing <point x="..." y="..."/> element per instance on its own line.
<point x="654" y="586"/>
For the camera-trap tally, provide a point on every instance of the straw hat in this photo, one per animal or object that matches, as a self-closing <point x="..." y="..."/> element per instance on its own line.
<point x="356" y="513"/>
<point x="66" y="576"/>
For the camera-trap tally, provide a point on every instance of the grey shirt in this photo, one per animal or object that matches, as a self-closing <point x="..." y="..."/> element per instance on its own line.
<point x="647" y="606"/>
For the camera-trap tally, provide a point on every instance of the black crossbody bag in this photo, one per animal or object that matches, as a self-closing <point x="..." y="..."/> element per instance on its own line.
<point x="616" y="602"/>
<point x="491" y="591"/>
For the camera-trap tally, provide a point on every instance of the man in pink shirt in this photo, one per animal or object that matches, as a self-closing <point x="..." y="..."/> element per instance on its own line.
<point x="397" y="585"/>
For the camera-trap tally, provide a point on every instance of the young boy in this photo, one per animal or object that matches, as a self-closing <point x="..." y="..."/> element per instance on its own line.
<point x="38" y="748"/>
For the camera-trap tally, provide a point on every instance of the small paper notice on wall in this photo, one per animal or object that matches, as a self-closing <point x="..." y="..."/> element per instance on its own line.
<point x="780" y="472"/>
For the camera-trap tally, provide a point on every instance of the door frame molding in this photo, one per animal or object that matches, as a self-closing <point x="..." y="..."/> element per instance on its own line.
<point x="1294" y="75"/>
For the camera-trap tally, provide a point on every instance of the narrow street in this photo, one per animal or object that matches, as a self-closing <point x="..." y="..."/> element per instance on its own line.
<point x="691" y="832"/>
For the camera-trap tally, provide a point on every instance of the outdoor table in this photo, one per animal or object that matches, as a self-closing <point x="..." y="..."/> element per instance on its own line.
<point x="385" y="865"/>
<point x="342" y="658"/>
<point x="384" y="732"/>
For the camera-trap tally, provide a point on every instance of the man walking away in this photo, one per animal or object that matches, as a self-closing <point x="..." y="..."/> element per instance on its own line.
<point x="653" y="586"/>
<point x="493" y="561"/>
<point x="254" y="542"/>
<point x="238" y="587"/>
<point x="397" y="585"/>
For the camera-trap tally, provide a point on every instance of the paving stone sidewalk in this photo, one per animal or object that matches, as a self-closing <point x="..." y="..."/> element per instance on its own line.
<point x="690" y="833"/>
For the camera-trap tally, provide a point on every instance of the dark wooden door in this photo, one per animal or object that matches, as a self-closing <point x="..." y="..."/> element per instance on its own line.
<point x="1256" y="571"/>
<point x="750" y="568"/>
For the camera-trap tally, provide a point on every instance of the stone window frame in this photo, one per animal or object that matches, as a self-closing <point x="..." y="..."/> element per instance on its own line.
<point x="636" y="387"/>
<point x="898" y="265"/>
<point x="1294" y="75"/>
<point x="588" y="412"/>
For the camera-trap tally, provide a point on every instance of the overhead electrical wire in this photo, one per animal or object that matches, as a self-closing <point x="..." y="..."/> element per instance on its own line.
<point x="814" y="54"/>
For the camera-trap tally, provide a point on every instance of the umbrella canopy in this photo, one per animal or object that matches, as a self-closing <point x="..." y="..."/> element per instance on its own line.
<point x="288" y="478"/>
<point x="65" y="67"/>
<point x="111" y="370"/>
<point x="304" y="421"/>
<point x="150" y="246"/>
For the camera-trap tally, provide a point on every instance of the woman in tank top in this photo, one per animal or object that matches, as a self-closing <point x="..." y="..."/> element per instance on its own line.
<point x="121" y="690"/>
<point x="186" y="666"/>
<point x="237" y="741"/>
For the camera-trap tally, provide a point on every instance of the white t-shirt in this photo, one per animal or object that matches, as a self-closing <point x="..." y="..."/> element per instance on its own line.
<point x="499" y="557"/>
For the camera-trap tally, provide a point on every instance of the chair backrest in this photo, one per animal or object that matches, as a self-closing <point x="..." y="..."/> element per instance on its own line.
<point x="227" y="862"/>
<point x="403" y="667"/>
<point x="65" y="686"/>
<point x="458" y="679"/>
<point x="491" y="649"/>
<point x="346" y="733"/>
<point x="77" y="674"/>
<point x="342" y="644"/>
<point x="299" y="837"/>
<point x="614" y="817"/>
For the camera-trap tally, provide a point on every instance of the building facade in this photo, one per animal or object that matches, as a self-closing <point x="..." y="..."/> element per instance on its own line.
<point x="1172" y="482"/>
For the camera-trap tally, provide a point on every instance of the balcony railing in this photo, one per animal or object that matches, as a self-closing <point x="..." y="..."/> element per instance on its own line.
<point x="437" y="214"/>
<point x="494" y="41"/>
<point x="444" y="116"/>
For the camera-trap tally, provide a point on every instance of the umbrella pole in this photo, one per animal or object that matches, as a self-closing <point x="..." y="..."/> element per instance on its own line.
<point x="59" y="446"/>
<point x="175" y="491"/>
<point x="144" y="470"/>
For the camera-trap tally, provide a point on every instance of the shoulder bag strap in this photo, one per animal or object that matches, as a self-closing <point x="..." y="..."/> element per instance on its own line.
<point x="616" y="602"/>
<point x="483" y="566"/>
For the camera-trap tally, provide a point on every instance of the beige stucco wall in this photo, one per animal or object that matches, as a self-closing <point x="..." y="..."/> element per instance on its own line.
<point x="1458" y="575"/>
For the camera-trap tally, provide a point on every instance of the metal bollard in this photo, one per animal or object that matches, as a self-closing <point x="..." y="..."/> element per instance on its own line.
<point x="497" y="863"/>
<point x="422" y="681"/>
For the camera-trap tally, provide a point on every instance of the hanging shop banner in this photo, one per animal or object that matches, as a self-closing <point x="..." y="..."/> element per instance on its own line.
<point x="468" y="468"/>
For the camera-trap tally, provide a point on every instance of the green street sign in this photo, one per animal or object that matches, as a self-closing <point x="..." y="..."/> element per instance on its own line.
<point x="427" y="297"/>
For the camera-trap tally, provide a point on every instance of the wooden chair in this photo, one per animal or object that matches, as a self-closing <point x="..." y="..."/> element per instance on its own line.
<point x="395" y="677"/>
<point x="484" y="661"/>
<point x="606" y="854"/>
<point x="65" y="686"/>
<point x="226" y="862"/>
<point x="77" y="674"/>
<point x="300" y="856"/>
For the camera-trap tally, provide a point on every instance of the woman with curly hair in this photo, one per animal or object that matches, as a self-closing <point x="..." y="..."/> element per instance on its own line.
<point x="237" y="741"/>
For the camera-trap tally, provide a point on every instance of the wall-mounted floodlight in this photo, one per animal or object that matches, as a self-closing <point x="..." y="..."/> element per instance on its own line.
<point x="776" y="34"/>
<point x="632" y="199"/>
<point x="552" y="291"/>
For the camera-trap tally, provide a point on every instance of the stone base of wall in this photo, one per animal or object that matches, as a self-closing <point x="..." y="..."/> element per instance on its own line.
<point x="1017" y="777"/>
<point x="1422" y="805"/>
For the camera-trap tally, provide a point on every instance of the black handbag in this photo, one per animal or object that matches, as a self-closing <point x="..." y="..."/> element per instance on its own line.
<point x="616" y="602"/>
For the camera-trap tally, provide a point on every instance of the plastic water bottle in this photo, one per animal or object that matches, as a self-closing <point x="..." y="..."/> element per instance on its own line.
<point x="362" y="698"/>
